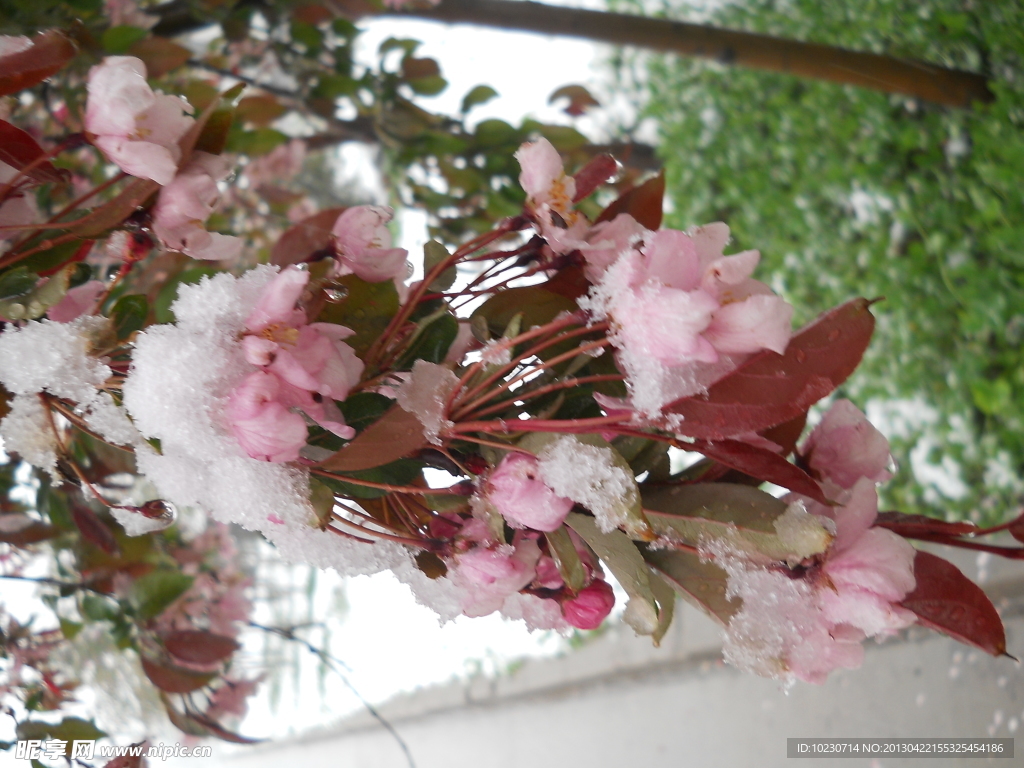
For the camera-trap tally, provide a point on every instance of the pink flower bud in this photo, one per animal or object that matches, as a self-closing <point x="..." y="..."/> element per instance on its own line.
<point x="516" y="491"/>
<point x="590" y="607"/>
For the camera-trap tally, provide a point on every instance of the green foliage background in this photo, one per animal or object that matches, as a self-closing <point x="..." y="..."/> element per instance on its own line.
<point x="852" y="192"/>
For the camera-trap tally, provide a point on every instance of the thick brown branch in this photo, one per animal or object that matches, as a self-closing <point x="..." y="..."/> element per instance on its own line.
<point x="949" y="87"/>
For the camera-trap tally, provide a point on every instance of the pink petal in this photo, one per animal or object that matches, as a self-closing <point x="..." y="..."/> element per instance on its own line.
<point x="759" y="322"/>
<point x="277" y="302"/>
<point x="516" y="491"/>
<point x="541" y="166"/>
<point x="671" y="258"/>
<point x="76" y="301"/>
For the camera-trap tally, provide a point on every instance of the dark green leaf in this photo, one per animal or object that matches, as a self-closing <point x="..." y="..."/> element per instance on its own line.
<point x="129" y="315"/>
<point x="152" y="593"/>
<point x="481" y="94"/>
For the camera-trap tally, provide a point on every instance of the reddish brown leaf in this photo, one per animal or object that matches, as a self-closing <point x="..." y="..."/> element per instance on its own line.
<point x="947" y="601"/>
<point x="160" y="55"/>
<point x="393" y="436"/>
<point x="112" y="213"/>
<point x="174" y="679"/>
<point x="787" y="434"/>
<point x="770" y="389"/>
<point x="93" y="529"/>
<point x="415" y="69"/>
<point x="913" y="526"/>
<point x="569" y="282"/>
<point x="307" y="237"/>
<point x="196" y="646"/>
<point x="21" y="534"/>
<point x="260" y="111"/>
<point x="1016" y="528"/>
<point x="19" y="150"/>
<point x="49" y="53"/>
<point x="762" y="464"/>
<point x="312" y="13"/>
<point x="580" y="99"/>
<point x="643" y="203"/>
<point x="592" y="175"/>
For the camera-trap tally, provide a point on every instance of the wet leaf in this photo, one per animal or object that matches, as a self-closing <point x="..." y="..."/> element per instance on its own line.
<point x="763" y="464"/>
<point x="947" y="601"/>
<point x="564" y="553"/>
<point x="738" y="514"/>
<point x="393" y="436"/>
<point x="17" y="282"/>
<point x="431" y="341"/>
<point x="703" y="584"/>
<point x="367" y="309"/>
<point x="196" y="646"/>
<point x="19" y="150"/>
<point x="623" y="559"/>
<point x="643" y="203"/>
<point x="173" y="679"/>
<point x="770" y="389"/>
<point x="666" y="598"/>
<point x="433" y="254"/>
<point x="592" y="175"/>
<point x="49" y="53"/>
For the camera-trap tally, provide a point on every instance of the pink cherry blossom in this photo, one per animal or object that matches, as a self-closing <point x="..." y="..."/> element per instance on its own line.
<point x="185" y="203"/>
<point x="136" y="129"/>
<point x="363" y="244"/>
<point x="845" y="447"/>
<point x="76" y="302"/>
<point x="522" y="498"/>
<point x="678" y="301"/>
<point x="486" y="577"/>
<point x="230" y="698"/>
<point x="549" y="196"/>
<point x="607" y="241"/>
<point x="264" y="428"/>
<point x="868" y="570"/>
<point x="310" y="364"/>
<point x="590" y="607"/>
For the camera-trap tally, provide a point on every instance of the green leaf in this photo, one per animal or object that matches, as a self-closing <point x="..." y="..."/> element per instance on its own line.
<point x="72" y="729"/>
<point x="394" y="43"/>
<point x="428" y="86"/>
<point x="747" y="519"/>
<point x="564" y="553"/>
<point x="495" y="133"/>
<point x="431" y="340"/>
<point x="35" y="303"/>
<point x="322" y="498"/>
<point x="537" y="306"/>
<point x="99" y="608"/>
<point x="364" y="408"/>
<point x="308" y="36"/>
<point x="366" y="309"/>
<point x="152" y="593"/>
<point x="254" y="143"/>
<point x="401" y="472"/>
<point x="331" y="86"/>
<point x="70" y="628"/>
<point x="666" y="598"/>
<point x="700" y="583"/>
<point x="433" y="254"/>
<point x="117" y="40"/>
<point x="629" y="568"/>
<point x="479" y="95"/>
<point x="129" y="315"/>
<point x="17" y="282"/>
